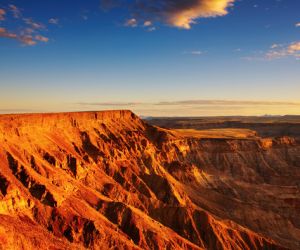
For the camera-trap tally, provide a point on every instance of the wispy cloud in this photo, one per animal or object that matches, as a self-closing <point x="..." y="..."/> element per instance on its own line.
<point x="6" y="34"/>
<point x="26" y="31"/>
<point x="85" y="15"/>
<point x="177" y="13"/>
<point x="150" y="29"/>
<point x="131" y="23"/>
<point x="226" y="102"/>
<point x="280" y="51"/>
<point x="41" y="38"/>
<point x="34" y="25"/>
<point x="110" y="104"/>
<point x="54" y="21"/>
<point x="14" y="111"/>
<point x="25" y="38"/>
<point x="2" y="14"/>
<point x="297" y="24"/>
<point x="194" y="52"/>
<point x="199" y="107"/>
<point x="276" y="51"/>
<point x="275" y="45"/>
<point x="194" y="103"/>
<point x="147" y="23"/>
<point x="15" y="11"/>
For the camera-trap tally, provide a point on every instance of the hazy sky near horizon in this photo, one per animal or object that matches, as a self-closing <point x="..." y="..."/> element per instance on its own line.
<point x="158" y="57"/>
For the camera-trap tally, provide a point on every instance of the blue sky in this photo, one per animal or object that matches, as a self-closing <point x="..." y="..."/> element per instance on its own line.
<point x="61" y="56"/>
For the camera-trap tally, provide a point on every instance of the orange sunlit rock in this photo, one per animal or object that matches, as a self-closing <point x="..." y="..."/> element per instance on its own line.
<point x="108" y="180"/>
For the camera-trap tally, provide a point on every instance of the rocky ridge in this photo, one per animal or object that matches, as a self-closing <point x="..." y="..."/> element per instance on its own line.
<point x="108" y="180"/>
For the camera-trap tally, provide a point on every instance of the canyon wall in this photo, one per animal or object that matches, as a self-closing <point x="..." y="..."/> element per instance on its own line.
<point x="108" y="180"/>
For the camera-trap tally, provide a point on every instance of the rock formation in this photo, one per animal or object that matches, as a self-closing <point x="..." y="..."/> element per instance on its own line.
<point x="108" y="180"/>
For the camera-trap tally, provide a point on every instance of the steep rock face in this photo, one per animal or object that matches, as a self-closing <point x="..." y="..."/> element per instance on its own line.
<point x="103" y="180"/>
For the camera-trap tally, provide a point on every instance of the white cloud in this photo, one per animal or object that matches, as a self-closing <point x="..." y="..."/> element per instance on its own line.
<point x="131" y="22"/>
<point x="54" y="21"/>
<point x="274" y="46"/>
<point x="41" y="38"/>
<point x="147" y="23"/>
<point x="194" y="52"/>
<point x="281" y="51"/>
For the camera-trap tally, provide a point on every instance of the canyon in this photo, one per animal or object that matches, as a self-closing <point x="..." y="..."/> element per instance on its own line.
<point x="110" y="180"/>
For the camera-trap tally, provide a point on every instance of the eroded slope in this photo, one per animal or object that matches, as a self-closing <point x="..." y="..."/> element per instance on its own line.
<point x="104" y="180"/>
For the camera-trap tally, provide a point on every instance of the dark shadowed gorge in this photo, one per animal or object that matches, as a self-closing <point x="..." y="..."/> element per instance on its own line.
<point x="109" y="180"/>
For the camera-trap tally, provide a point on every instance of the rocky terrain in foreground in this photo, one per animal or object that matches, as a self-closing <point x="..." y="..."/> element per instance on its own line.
<point x="108" y="180"/>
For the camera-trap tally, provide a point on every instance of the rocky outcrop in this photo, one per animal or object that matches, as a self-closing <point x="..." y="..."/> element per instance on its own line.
<point x="102" y="180"/>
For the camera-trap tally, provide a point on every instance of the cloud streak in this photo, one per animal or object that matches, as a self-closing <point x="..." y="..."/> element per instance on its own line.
<point x="176" y="13"/>
<point x="54" y="21"/>
<point x="131" y="23"/>
<point x="276" y="51"/>
<point x="195" y="103"/>
<point x="115" y="104"/>
<point x="34" y="25"/>
<point x="199" y="107"/>
<point x="25" y="37"/>
<point x="194" y="52"/>
<point x="6" y="34"/>
<point x="27" y="31"/>
<point x="281" y="51"/>
<point x="15" y="11"/>
<point x="227" y="103"/>
<point x="2" y="14"/>
<point x="41" y="38"/>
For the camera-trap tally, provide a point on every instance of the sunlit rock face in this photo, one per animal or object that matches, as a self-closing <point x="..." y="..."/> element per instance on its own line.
<point x="108" y="180"/>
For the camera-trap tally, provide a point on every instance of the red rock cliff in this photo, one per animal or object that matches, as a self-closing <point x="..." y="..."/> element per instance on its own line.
<point x="103" y="180"/>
